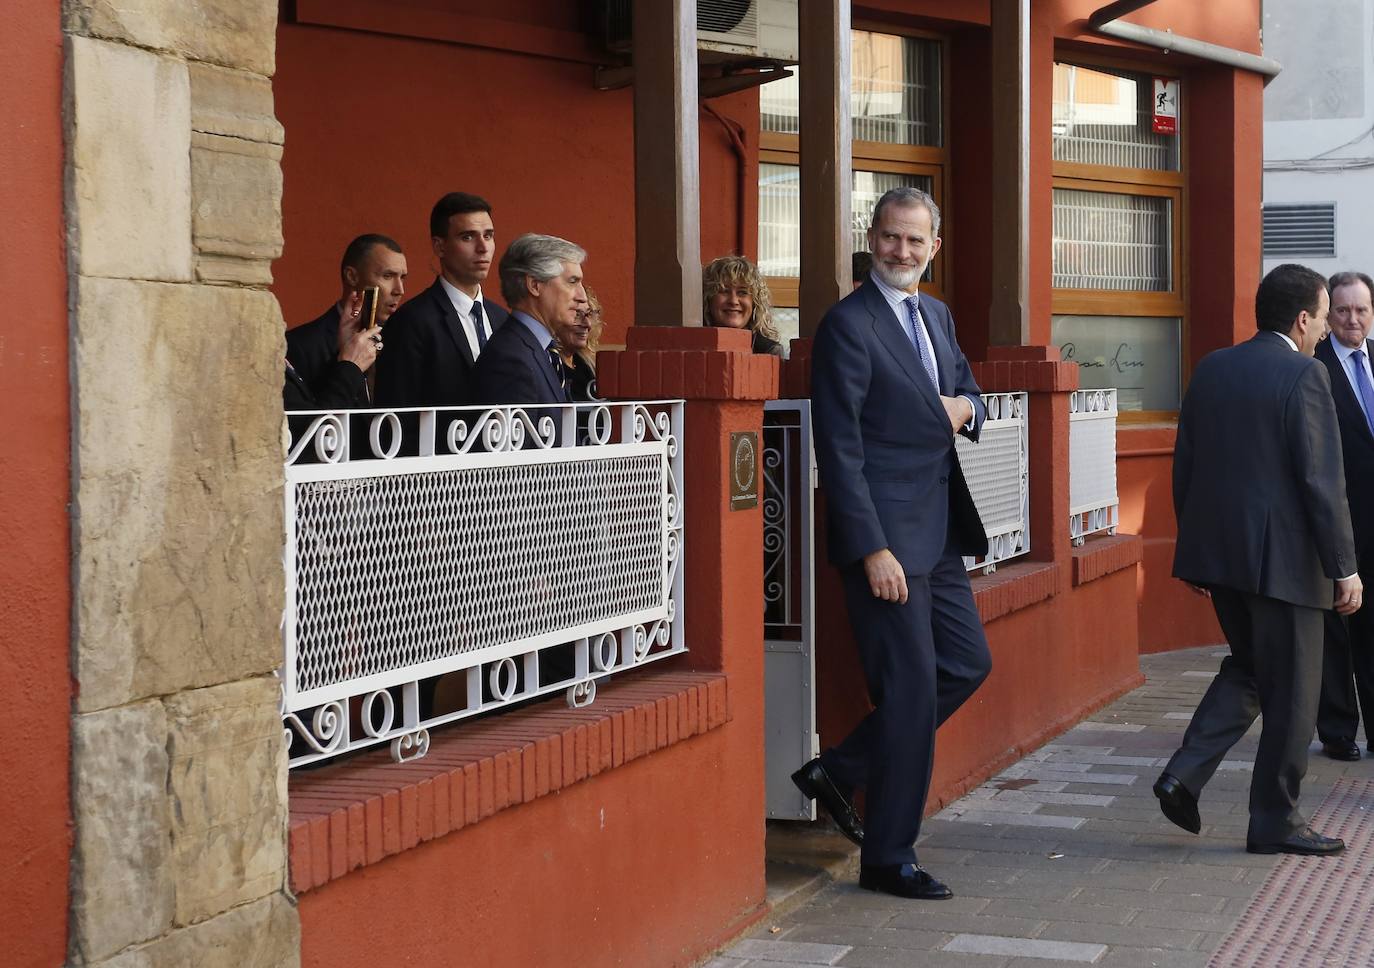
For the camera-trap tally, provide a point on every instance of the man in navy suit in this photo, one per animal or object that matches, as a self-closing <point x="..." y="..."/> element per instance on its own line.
<point x="1263" y="527"/>
<point x="1349" y="643"/>
<point x="314" y="347"/>
<point x="890" y="390"/>
<point x="434" y="342"/>
<point x="541" y="279"/>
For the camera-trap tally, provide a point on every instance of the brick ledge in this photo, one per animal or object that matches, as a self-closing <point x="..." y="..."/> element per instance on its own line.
<point x="365" y="809"/>
<point x="1013" y="587"/>
<point x="1104" y="554"/>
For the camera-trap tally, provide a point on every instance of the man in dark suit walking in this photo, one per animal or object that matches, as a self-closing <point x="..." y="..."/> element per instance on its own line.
<point x="1350" y="642"/>
<point x="890" y="389"/>
<point x="1263" y="526"/>
<point x="314" y="347"/>
<point x="435" y="340"/>
<point x="541" y="279"/>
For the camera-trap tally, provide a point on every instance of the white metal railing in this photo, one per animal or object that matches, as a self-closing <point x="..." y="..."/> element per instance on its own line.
<point x="1093" y="502"/>
<point x="517" y="552"/>
<point x="997" y="471"/>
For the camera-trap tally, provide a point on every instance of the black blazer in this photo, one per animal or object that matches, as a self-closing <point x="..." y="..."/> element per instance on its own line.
<point x="339" y="386"/>
<point x="313" y="349"/>
<point x="883" y="442"/>
<point x="515" y="369"/>
<point x="1357" y="451"/>
<point x="427" y="361"/>
<point x="1259" y="484"/>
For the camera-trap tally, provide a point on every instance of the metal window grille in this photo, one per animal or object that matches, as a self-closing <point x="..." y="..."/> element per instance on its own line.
<point x="1093" y="502"/>
<point x="997" y="471"/>
<point x="1105" y="117"/>
<point x="894" y="92"/>
<point x="1300" y="230"/>
<point x="528" y="552"/>
<point x="780" y="213"/>
<point x="1107" y="240"/>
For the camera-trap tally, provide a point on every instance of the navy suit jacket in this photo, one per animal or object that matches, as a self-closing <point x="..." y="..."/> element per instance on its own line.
<point x="515" y="369"/>
<point x="427" y="361"/>
<point x="891" y="475"/>
<point x="313" y="349"/>
<point x="1259" y="484"/>
<point x="1357" y="451"/>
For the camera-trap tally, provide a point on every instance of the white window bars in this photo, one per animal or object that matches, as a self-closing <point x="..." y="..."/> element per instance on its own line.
<point x="998" y="475"/>
<point x="517" y="552"/>
<point x="1093" y="502"/>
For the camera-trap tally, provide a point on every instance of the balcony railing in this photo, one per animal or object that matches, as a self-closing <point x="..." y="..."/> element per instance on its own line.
<point x="997" y="471"/>
<point x="1093" y="502"/>
<point x="515" y="552"/>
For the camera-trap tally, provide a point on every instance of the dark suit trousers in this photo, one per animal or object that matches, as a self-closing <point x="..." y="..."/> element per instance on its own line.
<point x="921" y="661"/>
<point x="1348" y="651"/>
<point x="1274" y="670"/>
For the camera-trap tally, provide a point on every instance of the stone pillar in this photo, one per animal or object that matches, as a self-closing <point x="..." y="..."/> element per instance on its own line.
<point x="173" y="218"/>
<point x="826" y="158"/>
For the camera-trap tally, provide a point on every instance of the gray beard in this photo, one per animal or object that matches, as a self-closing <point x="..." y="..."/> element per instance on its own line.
<point x="902" y="279"/>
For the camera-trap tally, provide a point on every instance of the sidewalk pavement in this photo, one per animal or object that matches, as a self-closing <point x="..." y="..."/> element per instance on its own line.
<point x="1064" y="859"/>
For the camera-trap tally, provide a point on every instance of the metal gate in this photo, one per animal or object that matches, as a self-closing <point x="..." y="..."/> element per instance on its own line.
<point x="789" y="673"/>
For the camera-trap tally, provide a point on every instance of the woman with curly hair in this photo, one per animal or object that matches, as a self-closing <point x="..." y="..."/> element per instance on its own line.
<point x="734" y="295"/>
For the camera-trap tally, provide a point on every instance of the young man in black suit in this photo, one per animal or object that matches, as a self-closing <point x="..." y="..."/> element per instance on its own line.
<point x="436" y="339"/>
<point x="313" y="348"/>
<point x="890" y="390"/>
<point x="541" y="279"/>
<point x="1350" y="642"/>
<point x="1264" y="528"/>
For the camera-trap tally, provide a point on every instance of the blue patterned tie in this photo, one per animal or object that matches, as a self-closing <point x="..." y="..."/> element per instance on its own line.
<point x="1366" y="390"/>
<point x="477" y="324"/>
<point x="914" y="334"/>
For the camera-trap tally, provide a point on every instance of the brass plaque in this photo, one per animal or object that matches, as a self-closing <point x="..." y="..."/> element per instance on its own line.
<point x="744" y="470"/>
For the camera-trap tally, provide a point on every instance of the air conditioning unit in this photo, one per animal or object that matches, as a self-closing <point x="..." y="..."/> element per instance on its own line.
<point x="727" y="30"/>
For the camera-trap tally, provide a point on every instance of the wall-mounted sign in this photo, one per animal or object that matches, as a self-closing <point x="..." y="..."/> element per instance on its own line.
<point x="1166" y="106"/>
<point x="744" y="470"/>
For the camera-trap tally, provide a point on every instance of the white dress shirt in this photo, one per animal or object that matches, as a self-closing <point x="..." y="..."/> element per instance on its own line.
<point x="462" y="304"/>
<point x="897" y="300"/>
<point x="1346" y="354"/>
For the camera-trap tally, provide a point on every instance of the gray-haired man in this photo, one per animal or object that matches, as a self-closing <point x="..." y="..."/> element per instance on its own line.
<point x="541" y="281"/>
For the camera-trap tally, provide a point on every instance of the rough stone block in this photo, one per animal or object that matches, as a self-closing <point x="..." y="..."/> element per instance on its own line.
<point x="233" y="103"/>
<point x="122" y="889"/>
<point x="236" y="221"/>
<point x="227" y="786"/>
<point x="129" y="146"/>
<point x="178" y="500"/>
<point x="264" y="934"/>
<point x="233" y="33"/>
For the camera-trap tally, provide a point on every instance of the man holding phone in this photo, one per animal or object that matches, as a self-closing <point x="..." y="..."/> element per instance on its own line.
<point x="372" y="265"/>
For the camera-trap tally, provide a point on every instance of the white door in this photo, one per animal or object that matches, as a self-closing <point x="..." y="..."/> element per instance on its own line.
<point x="789" y="671"/>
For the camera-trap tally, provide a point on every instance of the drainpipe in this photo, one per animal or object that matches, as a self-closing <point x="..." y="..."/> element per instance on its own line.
<point x="1104" y="21"/>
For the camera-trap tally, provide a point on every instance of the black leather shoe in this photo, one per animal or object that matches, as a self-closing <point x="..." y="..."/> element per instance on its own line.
<point x="1178" y="804"/>
<point x="1342" y="749"/>
<point x="1304" y="841"/>
<point x="816" y="784"/>
<point x="903" y="880"/>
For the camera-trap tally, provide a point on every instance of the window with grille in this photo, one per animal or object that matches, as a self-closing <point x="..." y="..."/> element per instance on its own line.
<point x="1118" y="300"/>
<point x="1300" y="230"/>
<point x="897" y="105"/>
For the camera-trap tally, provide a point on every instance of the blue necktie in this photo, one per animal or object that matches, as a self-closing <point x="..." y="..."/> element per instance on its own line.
<point x="1362" y="385"/>
<point x="914" y="334"/>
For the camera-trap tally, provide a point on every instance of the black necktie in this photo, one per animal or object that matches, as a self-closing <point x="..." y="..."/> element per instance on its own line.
<point x="477" y="324"/>
<point x="559" y="368"/>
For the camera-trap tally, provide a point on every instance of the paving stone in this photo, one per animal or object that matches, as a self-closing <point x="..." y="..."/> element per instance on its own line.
<point x="898" y="958"/>
<point x="1056" y="912"/>
<point x="805" y="953"/>
<point x="1151" y="958"/>
<point x="1185" y="920"/>
<point x="1017" y="820"/>
<point x="857" y="936"/>
<point x="1027" y="947"/>
<point x="1097" y="727"/>
<point x="1115" y="934"/>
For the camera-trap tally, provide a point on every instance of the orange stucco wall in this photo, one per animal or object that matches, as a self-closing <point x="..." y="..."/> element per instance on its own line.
<point x="35" y="837"/>
<point x="372" y="149"/>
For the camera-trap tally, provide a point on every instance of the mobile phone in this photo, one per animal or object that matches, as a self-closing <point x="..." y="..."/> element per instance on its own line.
<point x="367" y="318"/>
